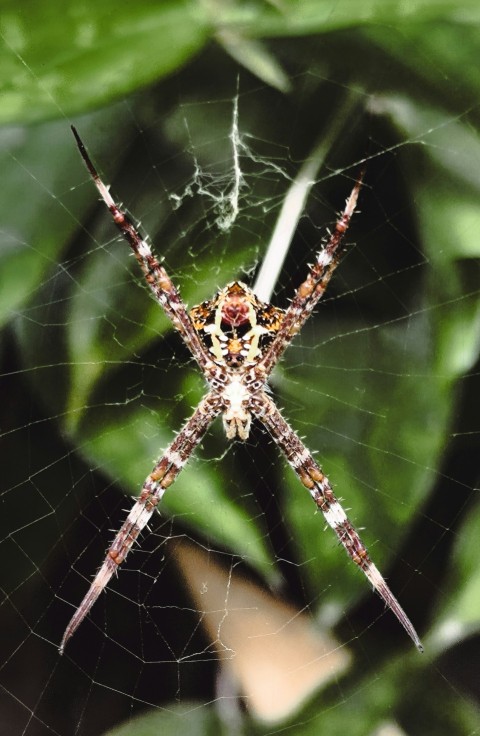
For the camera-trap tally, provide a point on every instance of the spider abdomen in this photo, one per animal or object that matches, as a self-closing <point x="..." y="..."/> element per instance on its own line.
<point x="235" y="326"/>
<point x="236" y="416"/>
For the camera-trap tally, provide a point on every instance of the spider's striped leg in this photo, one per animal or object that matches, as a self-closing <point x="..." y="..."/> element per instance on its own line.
<point x="156" y="276"/>
<point x="313" y="288"/>
<point x="162" y="476"/>
<point x="321" y="491"/>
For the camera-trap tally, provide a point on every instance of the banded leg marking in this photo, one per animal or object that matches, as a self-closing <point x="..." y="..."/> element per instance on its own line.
<point x="156" y="276"/>
<point x="318" y="485"/>
<point x="312" y="289"/>
<point x="162" y="476"/>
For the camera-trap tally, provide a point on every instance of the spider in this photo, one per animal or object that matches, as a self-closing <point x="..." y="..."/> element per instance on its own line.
<point x="236" y="340"/>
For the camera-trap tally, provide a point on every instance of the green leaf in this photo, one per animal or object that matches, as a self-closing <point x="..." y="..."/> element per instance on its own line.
<point x="301" y="17"/>
<point x="367" y="420"/>
<point x="62" y="59"/>
<point x="460" y="616"/>
<point x="194" y="718"/>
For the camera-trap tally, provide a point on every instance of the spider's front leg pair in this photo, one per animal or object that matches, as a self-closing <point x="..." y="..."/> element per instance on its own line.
<point x="236" y="340"/>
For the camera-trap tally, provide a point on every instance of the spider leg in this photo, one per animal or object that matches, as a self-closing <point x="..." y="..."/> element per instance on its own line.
<point x="162" y="476"/>
<point x="156" y="276"/>
<point x="316" y="482"/>
<point x="313" y="288"/>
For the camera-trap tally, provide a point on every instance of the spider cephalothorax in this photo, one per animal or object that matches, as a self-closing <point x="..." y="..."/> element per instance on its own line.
<point x="236" y="340"/>
<point x="236" y="328"/>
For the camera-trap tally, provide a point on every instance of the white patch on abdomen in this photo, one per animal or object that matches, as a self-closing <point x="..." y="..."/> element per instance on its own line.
<point x="235" y="419"/>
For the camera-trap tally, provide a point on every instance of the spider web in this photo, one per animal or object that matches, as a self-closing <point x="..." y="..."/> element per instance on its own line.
<point x="236" y="599"/>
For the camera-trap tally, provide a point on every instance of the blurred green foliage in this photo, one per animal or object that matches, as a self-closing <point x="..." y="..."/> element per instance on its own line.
<point x="381" y="381"/>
